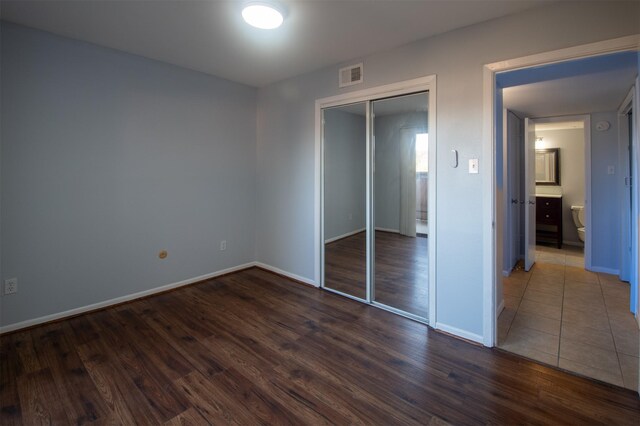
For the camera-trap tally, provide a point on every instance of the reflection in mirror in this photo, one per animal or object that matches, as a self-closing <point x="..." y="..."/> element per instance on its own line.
<point x="345" y="158"/>
<point x="400" y="203"/>
<point x="548" y="166"/>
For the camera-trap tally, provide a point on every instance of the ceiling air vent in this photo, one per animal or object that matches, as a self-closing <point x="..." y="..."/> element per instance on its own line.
<point x="350" y="75"/>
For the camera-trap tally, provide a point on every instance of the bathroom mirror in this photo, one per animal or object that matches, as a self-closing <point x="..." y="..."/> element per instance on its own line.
<point x="548" y="166"/>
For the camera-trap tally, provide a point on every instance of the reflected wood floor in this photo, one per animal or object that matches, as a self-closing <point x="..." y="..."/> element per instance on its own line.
<point x="256" y="348"/>
<point x="401" y="270"/>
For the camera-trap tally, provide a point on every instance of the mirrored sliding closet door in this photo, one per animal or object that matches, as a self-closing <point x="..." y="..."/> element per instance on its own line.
<point x="401" y="140"/>
<point x="345" y="197"/>
<point x="375" y="202"/>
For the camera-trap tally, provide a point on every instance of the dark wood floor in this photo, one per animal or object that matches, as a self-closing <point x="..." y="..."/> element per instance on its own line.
<point x="256" y="348"/>
<point x="401" y="270"/>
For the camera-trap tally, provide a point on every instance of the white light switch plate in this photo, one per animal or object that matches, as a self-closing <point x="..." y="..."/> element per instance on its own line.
<point x="611" y="170"/>
<point x="473" y="165"/>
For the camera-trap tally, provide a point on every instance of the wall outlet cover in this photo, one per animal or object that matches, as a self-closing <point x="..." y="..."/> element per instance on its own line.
<point x="10" y="286"/>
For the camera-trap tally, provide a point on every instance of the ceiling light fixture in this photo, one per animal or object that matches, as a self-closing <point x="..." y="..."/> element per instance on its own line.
<point x="262" y="15"/>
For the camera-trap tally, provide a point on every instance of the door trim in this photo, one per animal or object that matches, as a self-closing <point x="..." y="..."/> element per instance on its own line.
<point x="586" y="121"/>
<point x="625" y="203"/>
<point x="628" y="43"/>
<point x="427" y="83"/>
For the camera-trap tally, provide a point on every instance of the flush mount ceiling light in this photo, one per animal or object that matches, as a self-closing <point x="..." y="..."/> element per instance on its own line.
<point x="262" y="15"/>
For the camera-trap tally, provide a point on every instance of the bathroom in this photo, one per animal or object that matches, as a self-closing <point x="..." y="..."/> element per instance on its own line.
<point x="560" y="178"/>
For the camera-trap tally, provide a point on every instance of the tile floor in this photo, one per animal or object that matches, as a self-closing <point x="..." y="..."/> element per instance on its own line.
<point x="560" y="314"/>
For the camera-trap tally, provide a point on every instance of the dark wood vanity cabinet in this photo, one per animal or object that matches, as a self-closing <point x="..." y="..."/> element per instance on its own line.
<point x="549" y="220"/>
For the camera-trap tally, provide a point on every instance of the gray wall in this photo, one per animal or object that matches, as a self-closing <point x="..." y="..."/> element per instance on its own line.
<point x="107" y="158"/>
<point x="285" y="228"/>
<point x="572" y="174"/>
<point x="387" y="177"/>
<point x="345" y="172"/>
<point x="605" y="195"/>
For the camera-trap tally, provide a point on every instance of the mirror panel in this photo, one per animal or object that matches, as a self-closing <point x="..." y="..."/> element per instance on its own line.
<point x="400" y="179"/>
<point x="548" y="166"/>
<point x="345" y="237"/>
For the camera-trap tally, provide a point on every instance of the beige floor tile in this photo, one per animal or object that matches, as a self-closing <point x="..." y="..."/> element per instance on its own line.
<point x="556" y="288"/>
<point x="582" y="287"/>
<point x="617" y="305"/>
<point x="511" y="302"/>
<point x="585" y="319"/>
<point x="590" y="356"/>
<point x="541" y="309"/>
<point x="593" y="304"/>
<point x="627" y="342"/>
<point x="507" y="315"/>
<point x="573" y="273"/>
<point x="608" y="278"/>
<point x="543" y="297"/>
<point x="574" y="261"/>
<point x="622" y="321"/>
<point x="548" y="270"/>
<point x="589" y="336"/>
<point x="550" y="259"/>
<point x="615" y="290"/>
<point x="605" y="376"/>
<point x="527" y="338"/>
<point x="532" y="353"/>
<point x="629" y="366"/>
<point x="536" y="322"/>
<point x="514" y="288"/>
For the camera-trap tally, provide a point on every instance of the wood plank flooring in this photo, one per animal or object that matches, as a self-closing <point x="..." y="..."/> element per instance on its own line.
<point x="401" y="270"/>
<point x="255" y="348"/>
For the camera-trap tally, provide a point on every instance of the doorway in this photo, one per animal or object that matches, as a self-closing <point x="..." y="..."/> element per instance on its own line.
<point x="377" y="196"/>
<point x="572" y="316"/>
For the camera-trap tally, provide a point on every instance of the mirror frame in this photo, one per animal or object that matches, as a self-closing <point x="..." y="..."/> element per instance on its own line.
<point x="556" y="166"/>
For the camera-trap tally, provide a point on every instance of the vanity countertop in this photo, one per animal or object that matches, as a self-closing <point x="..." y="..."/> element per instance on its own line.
<point x="549" y="195"/>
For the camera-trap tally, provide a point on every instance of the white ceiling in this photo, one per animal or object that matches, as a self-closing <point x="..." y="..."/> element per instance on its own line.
<point x="595" y="92"/>
<point x="210" y="36"/>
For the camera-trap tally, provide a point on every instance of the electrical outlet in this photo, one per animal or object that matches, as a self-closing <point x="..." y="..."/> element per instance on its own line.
<point x="10" y="286"/>
<point x="350" y="216"/>
<point x="223" y="245"/>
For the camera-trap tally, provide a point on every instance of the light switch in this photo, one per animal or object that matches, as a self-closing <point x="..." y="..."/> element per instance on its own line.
<point x="611" y="170"/>
<point x="473" y="165"/>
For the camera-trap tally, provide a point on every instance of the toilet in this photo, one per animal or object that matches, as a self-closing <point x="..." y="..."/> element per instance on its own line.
<point x="578" y="218"/>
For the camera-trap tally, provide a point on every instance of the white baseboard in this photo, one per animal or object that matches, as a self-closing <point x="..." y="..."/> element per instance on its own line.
<point x="459" y="332"/>
<point x="118" y="300"/>
<point x="500" y="308"/>
<point x="394" y="231"/>
<point x="348" y="234"/>
<point x="604" y="270"/>
<point x="506" y="273"/>
<point x="286" y="274"/>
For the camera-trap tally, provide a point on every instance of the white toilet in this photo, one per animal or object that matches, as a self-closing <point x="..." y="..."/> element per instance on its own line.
<point x="578" y="218"/>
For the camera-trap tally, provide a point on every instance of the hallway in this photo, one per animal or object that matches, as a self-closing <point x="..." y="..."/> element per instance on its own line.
<point x="562" y="315"/>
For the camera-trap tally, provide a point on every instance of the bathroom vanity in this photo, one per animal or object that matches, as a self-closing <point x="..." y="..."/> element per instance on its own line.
<point x="549" y="219"/>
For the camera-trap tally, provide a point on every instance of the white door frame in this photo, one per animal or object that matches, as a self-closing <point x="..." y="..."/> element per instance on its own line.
<point x="625" y="204"/>
<point x="586" y="122"/>
<point x="628" y="43"/>
<point x="427" y="83"/>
